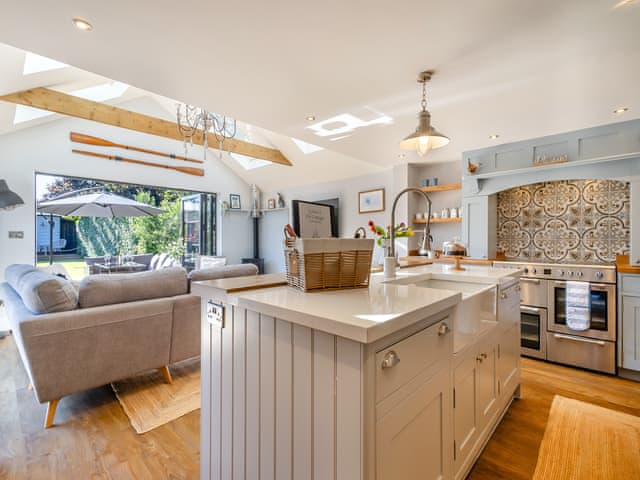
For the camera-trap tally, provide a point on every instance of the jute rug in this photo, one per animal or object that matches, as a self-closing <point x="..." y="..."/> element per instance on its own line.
<point x="585" y="441"/>
<point x="150" y="402"/>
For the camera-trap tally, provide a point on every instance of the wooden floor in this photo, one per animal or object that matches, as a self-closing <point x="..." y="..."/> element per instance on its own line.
<point x="513" y="450"/>
<point x="92" y="438"/>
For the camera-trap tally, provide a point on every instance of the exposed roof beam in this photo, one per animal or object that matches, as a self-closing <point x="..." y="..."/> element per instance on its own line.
<point x="58" y="102"/>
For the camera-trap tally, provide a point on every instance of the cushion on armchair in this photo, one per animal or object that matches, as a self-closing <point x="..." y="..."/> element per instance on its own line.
<point x="107" y="289"/>
<point x="41" y="292"/>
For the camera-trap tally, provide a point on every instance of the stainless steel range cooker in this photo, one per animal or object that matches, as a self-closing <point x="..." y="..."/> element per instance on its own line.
<point x="568" y="313"/>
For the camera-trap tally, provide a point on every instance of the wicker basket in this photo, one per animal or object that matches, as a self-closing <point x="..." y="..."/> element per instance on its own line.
<point x="327" y="263"/>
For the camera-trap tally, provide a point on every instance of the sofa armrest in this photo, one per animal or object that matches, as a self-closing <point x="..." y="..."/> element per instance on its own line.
<point x="185" y="337"/>
<point x="85" y="348"/>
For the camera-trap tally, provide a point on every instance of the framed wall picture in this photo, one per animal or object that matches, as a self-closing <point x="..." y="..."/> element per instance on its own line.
<point x="371" y="201"/>
<point x="313" y="220"/>
<point x="271" y="203"/>
<point x="234" y="201"/>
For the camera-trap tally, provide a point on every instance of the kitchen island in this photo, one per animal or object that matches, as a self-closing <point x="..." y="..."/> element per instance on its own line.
<point x="405" y="379"/>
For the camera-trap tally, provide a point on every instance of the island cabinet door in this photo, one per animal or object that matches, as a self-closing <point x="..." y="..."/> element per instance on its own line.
<point x="509" y="361"/>
<point x="487" y="383"/>
<point x="413" y="440"/>
<point x="465" y="411"/>
<point x="630" y="309"/>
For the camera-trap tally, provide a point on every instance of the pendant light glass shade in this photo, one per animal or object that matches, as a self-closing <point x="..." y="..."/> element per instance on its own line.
<point x="425" y="137"/>
<point x="8" y="199"/>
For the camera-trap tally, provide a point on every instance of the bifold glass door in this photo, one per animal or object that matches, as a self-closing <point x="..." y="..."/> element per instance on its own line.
<point x="198" y="227"/>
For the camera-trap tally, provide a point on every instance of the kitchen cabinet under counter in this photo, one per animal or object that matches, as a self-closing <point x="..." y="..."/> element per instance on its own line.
<point x="351" y="384"/>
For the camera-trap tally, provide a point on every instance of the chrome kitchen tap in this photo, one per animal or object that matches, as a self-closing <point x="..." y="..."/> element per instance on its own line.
<point x="390" y="262"/>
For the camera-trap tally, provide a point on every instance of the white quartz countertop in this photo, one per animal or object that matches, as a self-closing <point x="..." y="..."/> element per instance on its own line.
<point x="366" y="314"/>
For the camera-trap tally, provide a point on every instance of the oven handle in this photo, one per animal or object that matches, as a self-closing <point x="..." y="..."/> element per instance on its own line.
<point x="530" y="280"/>
<point x="579" y="339"/>
<point x="594" y="286"/>
<point x="524" y="308"/>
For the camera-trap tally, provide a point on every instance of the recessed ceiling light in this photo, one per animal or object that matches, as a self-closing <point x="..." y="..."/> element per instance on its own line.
<point x="311" y="118"/>
<point x="621" y="110"/>
<point x="401" y="155"/>
<point x="82" y="24"/>
<point x="494" y="136"/>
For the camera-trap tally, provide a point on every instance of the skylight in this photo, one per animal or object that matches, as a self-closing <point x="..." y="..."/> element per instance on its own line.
<point x="102" y="92"/>
<point x="305" y="147"/>
<point x="97" y="93"/>
<point x="249" y="163"/>
<point x="34" y="63"/>
<point x="346" y="123"/>
<point x="26" y="114"/>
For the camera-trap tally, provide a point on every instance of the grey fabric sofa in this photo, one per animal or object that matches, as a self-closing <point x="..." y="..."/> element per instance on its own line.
<point x="112" y="327"/>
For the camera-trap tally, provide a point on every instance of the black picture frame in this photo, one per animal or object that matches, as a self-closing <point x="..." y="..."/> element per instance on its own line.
<point x="234" y="201"/>
<point x="314" y="220"/>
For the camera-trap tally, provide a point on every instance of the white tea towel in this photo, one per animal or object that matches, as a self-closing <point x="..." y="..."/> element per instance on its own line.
<point x="578" y="305"/>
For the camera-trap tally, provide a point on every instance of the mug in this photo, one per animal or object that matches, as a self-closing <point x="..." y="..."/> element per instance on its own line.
<point x="445" y="213"/>
<point x="454" y="213"/>
<point x="419" y="215"/>
<point x="434" y="181"/>
<point x="425" y="182"/>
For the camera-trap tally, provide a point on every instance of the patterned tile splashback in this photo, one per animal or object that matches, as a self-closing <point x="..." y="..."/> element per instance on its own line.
<point x="575" y="221"/>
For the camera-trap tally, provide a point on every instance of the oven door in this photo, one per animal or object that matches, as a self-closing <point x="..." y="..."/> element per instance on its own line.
<point x="533" y="326"/>
<point x="603" y="311"/>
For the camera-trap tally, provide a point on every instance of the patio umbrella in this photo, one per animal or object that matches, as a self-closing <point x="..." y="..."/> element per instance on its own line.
<point x="100" y="204"/>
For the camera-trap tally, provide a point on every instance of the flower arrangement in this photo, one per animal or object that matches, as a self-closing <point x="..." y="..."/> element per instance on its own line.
<point x="401" y="230"/>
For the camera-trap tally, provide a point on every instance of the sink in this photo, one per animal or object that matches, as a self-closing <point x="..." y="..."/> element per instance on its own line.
<point x="476" y="312"/>
<point x="467" y="289"/>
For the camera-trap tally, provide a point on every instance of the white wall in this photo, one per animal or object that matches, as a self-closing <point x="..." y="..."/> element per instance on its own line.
<point x="47" y="149"/>
<point x="347" y="190"/>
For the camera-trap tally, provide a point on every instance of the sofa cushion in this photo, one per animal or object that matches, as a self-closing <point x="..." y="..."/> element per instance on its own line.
<point x="107" y="289"/>
<point x="42" y="292"/>
<point x="13" y="273"/>
<point x="227" y="271"/>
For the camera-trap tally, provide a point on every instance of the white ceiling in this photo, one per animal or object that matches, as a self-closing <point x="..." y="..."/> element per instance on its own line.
<point x="516" y="68"/>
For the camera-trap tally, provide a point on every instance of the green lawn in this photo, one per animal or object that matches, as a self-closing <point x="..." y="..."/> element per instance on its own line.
<point x="75" y="267"/>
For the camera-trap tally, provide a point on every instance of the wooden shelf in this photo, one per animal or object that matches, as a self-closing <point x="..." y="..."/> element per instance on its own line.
<point x="438" y="220"/>
<point x="442" y="188"/>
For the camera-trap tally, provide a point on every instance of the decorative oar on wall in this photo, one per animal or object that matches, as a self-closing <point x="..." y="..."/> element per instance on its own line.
<point x="188" y="170"/>
<point x="101" y="142"/>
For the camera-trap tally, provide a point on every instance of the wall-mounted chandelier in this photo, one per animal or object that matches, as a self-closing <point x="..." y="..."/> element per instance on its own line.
<point x="190" y="119"/>
<point x="425" y="137"/>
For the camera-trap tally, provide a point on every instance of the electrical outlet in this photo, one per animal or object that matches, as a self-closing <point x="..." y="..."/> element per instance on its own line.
<point x="18" y="234"/>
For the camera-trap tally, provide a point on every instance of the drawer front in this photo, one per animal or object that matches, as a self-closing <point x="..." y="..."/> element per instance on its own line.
<point x="593" y="354"/>
<point x="402" y="361"/>
<point x="630" y="284"/>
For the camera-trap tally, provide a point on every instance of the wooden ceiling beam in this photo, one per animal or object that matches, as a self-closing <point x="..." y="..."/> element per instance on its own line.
<point x="65" y="104"/>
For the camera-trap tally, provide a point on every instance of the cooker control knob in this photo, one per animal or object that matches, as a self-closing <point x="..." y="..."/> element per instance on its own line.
<point x="533" y="270"/>
<point x="526" y="270"/>
<point x="570" y="273"/>
<point x="580" y="274"/>
<point x="599" y="275"/>
<point x="561" y="272"/>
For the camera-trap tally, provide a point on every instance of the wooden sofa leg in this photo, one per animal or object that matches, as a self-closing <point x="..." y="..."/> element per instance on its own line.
<point x="51" y="412"/>
<point x="166" y="374"/>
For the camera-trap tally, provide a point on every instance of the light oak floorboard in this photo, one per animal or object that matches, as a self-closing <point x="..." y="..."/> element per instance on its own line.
<point x="91" y="437"/>
<point x="513" y="450"/>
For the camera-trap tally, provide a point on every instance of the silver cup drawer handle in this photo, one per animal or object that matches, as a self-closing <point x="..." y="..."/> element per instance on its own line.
<point x="390" y="360"/>
<point x="443" y="329"/>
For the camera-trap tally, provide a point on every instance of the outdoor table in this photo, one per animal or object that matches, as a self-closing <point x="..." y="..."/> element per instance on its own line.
<point x="128" y="267"/>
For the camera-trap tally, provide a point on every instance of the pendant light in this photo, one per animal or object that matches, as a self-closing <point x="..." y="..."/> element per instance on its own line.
<point x="426" y="137"/>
